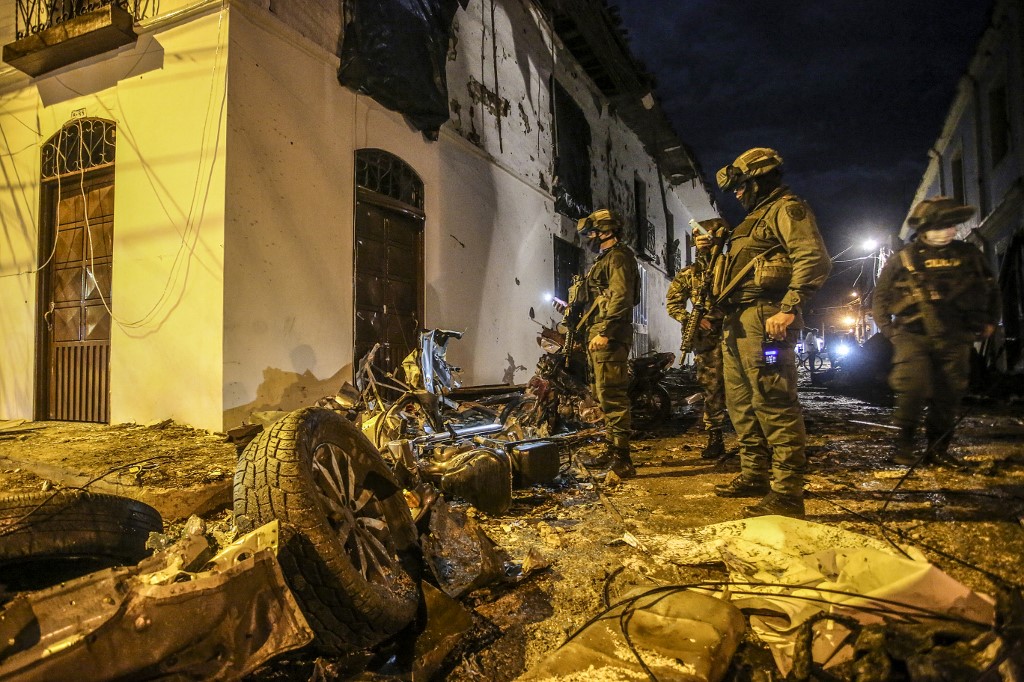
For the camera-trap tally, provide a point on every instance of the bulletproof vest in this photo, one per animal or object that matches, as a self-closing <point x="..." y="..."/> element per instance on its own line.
<point x="744" y="245"/>
<point x="596" y="284"/>
<point x="950" y="278"/>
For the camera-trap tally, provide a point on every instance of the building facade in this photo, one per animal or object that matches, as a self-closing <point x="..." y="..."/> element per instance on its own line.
<point x="200" y="221"/>
<point x="979" y="160"/>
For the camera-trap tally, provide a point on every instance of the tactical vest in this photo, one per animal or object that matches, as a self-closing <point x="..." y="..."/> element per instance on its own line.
<point x="772" y="271"/>
<point x="948" y="285"/>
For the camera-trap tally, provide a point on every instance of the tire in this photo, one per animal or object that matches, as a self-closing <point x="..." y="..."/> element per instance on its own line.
<point x="651" y="405"/>
<point x="816" y="363"/>
<point x="74" y="524"/>
<point x="346" y="551"/>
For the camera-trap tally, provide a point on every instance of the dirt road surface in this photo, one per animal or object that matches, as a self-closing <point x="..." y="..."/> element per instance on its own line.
<point x="967" y="519"/>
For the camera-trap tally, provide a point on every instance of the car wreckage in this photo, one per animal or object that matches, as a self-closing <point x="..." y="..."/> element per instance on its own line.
<point x="349" y="545"/>
<point x="346" y="534"/>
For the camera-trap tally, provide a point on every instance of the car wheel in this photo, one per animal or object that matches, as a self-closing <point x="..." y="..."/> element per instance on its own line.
<point x="348" y="539"/>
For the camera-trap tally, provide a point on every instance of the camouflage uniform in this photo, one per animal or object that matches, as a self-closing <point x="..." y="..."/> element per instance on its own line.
<point x="615" y="278"/>
<point x="762" y="398"/>
<point x="707" y="346"/>
<point x="932" y="340"/>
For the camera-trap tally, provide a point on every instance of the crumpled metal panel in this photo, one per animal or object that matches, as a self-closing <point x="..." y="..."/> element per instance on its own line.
<point x="218" y="624"/>
<point x="458" y="552"/>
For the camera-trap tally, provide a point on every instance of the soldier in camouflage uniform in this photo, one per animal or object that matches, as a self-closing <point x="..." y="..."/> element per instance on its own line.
<point x="934" y="298"/>
<point x="776" y="259"/>
<point x="612" y="288"/>
<point x="707" y="346"/>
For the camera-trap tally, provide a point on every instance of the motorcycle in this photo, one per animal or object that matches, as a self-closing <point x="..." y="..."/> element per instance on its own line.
<point x="558" y="397"/>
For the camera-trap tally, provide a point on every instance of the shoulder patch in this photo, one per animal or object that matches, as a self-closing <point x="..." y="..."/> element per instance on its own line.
<point x="796" y="211"/>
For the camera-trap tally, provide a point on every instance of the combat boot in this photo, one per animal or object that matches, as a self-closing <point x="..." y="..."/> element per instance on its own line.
<point x="715" y="449"/>
<point x="777" y="504"/>
<point x="938" y="451"/>
<point x="743" y="487"/>
<point x="622" y="466"/>
<point x="903" y="450"/>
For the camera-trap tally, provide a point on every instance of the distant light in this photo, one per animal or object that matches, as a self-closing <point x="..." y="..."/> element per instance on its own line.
<point x="854" y="294"/>
<point x="848" y="321"/>
<point x="548" y="296"/>
<point x="869" y="244"/>
<point x="842" y="350"/>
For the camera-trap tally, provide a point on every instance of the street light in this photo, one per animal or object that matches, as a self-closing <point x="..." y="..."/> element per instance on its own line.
<point x="869" y="244"/>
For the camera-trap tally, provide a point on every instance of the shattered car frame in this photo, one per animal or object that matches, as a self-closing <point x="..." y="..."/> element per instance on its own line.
<point x="180" y="613"/>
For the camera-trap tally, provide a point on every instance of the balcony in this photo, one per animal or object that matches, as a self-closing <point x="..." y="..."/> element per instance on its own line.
<point x="54" y="33"/>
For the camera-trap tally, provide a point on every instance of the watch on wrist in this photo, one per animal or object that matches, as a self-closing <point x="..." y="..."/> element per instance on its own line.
<point x="785" y="308"/>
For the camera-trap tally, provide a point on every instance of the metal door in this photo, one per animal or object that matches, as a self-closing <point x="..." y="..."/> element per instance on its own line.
<point x="77" y="301"/>
<point x="388" y="282"/>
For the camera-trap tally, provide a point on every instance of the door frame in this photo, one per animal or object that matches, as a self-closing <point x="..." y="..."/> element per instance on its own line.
<point x="48" y="193"/>
<point x="364" y="195"/>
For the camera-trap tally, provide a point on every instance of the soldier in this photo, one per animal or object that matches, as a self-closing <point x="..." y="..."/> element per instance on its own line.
<point x="934" y="298"/>
<point x="707" y="345"/>
<point x="776" y="259"/>
<point x="612" y="289"/>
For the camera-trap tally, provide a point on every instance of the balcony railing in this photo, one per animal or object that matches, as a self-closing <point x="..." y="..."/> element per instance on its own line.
<point x="36" y="16"/>
<point x="55" y="33"/>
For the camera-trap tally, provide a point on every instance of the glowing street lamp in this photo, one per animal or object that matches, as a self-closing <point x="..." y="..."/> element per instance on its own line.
<point x="869" y="244"/>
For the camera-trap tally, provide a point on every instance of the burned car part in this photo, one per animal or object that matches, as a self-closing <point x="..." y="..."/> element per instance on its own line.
<point x="650" y="400"/>
<point x="480" y="475"/>
<point x="175" y="616"/>
<point x="45" y="527"/>
<point x="351" y="546"/>
<point x="458" y="552"/>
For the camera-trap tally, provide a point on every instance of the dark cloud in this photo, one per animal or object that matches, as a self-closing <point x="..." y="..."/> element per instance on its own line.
<point x="851" y="94"/>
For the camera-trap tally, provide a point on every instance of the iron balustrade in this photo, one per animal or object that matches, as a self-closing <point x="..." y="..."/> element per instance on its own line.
<point x="36" y="16"/>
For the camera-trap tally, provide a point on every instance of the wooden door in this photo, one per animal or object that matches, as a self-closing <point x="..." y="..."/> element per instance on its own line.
<point x="389" y="282"/>
<point x="77" y="301"/>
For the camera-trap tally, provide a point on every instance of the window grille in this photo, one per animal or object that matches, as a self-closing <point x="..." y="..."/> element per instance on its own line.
<point x="386" y="174"/>
<point x="81" y="145"/>
<point x="641" y="340"/>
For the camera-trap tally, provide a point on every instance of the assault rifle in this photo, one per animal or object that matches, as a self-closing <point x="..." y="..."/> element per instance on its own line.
<point x="576" y="312"/>
<point x="701" y="293"/>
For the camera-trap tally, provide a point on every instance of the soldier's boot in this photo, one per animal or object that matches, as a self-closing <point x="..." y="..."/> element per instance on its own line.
<point x="938" y="450"/>
<point x="743" y="487"/>
<point x="903" y="449"/>
<point x="622" y="464"/>
<point x="779" y="504"/>
<point x="715" y="449"/>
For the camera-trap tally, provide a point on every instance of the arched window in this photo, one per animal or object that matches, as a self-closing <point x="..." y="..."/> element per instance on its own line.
<point x="387" y="175"/>
<point x="81" y="145"/>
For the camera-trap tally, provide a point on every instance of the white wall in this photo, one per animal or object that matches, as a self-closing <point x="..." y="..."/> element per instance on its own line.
<point x="166" y="95"/>
<point x="289" y="268"/>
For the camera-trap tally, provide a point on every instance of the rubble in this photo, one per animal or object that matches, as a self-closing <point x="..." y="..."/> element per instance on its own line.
<point x="573" y="546"/>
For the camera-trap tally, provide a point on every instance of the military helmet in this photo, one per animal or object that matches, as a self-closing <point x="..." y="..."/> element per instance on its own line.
<point x="749" y="164"/>
<point x="936" y="213"/>
<point x="601" y="220"/>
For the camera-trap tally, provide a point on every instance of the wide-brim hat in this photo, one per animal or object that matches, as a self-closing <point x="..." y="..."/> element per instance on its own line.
<point x="939" y="212"/>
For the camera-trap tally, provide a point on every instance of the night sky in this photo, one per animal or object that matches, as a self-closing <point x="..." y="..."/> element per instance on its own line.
<point x="851" y="94"/>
